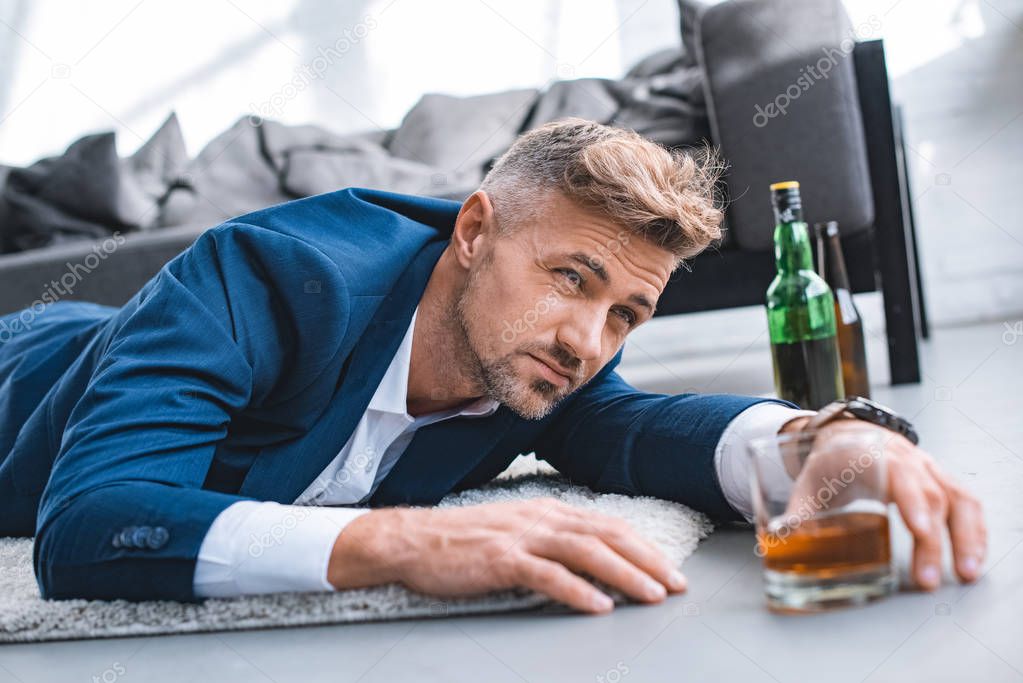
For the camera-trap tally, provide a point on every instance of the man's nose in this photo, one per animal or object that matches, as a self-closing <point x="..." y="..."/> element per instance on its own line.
<point x="582" y="333"/>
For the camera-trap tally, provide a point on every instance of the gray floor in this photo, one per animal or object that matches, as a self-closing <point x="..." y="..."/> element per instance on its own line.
<point x="968" y="410"/>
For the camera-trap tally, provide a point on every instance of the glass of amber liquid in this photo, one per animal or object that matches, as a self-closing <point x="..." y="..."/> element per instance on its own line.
<point x="822" y="519"/>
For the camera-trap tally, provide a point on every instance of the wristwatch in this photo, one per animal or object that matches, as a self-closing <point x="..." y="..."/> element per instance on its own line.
<point x="863" y="409"/>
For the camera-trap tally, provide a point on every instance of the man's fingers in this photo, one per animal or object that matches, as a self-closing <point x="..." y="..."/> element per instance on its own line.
<point x="965" y="525"/>
<point x="624" y="540"/>
<point x="924" y="508"/>
<point x="588" y="554"/>
<point x="927" y="556"/>
<point x="608" y="549"/>
<point x="554" y="580"/>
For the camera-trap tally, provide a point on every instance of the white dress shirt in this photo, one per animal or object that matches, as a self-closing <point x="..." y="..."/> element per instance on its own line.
<point x="264" y="547"/>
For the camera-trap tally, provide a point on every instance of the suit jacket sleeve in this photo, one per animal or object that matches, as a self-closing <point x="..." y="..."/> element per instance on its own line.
<point x="614" y="438"/>
<point x="223" y="326"/>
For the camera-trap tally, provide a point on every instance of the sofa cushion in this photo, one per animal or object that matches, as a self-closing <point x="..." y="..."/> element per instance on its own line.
<point x="114" y="268"/>
<point x="461" y="135"/>
<point x="783" y="104"/>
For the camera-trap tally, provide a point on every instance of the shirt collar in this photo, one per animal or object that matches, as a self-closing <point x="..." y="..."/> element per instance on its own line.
<point x="392" y="394"/>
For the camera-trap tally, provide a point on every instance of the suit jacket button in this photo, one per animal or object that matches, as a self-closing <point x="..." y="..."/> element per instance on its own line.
<point x="124" y="538"/>
<point x="158" y="538"/>
<point x="140" y="536"/>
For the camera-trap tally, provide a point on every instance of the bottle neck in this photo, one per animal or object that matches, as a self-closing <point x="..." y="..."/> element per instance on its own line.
<point x="792" y="251"/>
<point x="835" y="274"/>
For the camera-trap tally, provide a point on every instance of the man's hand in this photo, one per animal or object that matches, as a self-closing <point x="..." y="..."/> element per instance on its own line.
<point x="928" y="499"/>
<point x="541" y="544"/>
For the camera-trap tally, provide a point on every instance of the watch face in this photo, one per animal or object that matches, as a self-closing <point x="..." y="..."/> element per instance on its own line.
<point x="860" y="402"/>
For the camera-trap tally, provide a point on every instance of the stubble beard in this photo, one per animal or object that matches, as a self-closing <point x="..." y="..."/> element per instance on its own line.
<point x="534" y="400"/>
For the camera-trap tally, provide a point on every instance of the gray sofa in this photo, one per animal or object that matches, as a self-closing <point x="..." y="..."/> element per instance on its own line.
<point x="838" y="134"/>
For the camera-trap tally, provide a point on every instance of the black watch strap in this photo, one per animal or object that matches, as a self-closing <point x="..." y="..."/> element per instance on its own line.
<point x="863" y="409"/>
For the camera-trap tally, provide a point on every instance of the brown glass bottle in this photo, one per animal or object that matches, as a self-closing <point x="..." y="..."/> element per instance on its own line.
<point x="848" y="322"/>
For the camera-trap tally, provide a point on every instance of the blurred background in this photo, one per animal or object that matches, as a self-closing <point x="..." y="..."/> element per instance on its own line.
<point x="67" y="70"/>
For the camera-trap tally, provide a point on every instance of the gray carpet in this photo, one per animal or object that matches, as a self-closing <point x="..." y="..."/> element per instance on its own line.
<point x="26" y="617"/>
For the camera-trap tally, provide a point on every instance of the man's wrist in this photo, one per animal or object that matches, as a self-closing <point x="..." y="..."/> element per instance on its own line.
<point x="731" y="460"/>
<point x="367" y="551"/>
<point x="795" y="424"/>
<point x="256" y="547"/>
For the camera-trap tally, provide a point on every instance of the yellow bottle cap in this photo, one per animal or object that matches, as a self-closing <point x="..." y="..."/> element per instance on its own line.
<point x="786" y="185"/>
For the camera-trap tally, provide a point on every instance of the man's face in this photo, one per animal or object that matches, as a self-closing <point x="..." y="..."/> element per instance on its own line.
<point x="545" y="307"/>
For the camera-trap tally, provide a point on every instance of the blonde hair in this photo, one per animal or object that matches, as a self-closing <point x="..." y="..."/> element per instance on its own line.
<point x="665" y="196"/>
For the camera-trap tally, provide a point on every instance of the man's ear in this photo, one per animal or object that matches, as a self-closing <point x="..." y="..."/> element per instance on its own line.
<point x="474" y="225"/>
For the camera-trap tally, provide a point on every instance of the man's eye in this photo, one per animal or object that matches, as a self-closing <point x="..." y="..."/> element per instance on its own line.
<point x="574" y="278"/>
<point x="628" y="316"/>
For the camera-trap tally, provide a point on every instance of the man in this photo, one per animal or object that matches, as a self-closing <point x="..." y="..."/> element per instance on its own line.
<point x="259" y="416"/>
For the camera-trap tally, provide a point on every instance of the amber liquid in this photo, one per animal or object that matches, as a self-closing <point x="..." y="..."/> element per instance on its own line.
<point x="853" y="352"/>
<point x="828" y="546"/>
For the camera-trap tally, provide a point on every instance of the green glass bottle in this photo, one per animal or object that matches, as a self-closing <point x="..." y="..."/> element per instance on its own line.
<point x="800" y="312"/>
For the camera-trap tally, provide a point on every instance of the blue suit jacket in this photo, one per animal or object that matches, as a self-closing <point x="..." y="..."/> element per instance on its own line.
<point x="241" y="369"/>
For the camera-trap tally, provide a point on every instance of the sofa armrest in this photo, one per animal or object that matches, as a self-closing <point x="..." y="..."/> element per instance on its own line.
<point x="783" y="105"/>
<point x="105" y="272"/>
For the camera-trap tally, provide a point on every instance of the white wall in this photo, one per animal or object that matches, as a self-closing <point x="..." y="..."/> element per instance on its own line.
<point x="958" y="73"/>
<point x="68" y="68"/>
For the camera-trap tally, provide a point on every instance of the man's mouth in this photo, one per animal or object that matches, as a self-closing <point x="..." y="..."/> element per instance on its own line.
<point x="552" y="372"/>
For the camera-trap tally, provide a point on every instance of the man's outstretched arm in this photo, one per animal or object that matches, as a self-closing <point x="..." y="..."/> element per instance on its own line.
<point x="615" y="438"/>
<point x="543" y="544"/>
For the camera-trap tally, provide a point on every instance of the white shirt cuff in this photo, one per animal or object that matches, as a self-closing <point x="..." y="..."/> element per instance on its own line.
<point x="731" y="459"/>
<point x="263" y="547"/>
